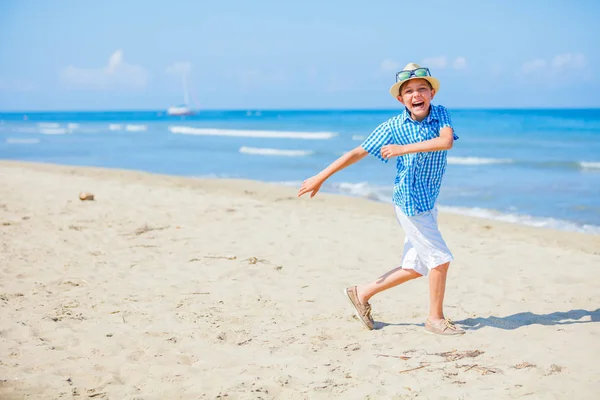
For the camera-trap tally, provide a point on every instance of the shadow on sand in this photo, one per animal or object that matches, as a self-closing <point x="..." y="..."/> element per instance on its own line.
<point x="527" y="318"/>
<point x="382" y="325"/>
<point x="519" y="320"/>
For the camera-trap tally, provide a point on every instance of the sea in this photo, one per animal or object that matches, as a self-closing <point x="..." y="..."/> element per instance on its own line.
<point x="534" y="167"/>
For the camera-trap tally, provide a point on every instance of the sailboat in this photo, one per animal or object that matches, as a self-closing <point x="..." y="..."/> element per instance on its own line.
<point x="182" y="109"/>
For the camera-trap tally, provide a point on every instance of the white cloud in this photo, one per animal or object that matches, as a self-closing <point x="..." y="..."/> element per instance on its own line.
<point x="435" y="62"/>
<point x="569" y="60"/>
<point x="116" y="74"/>
<point x="442" y="62"/>
<point x="460" y="63"/>
<point x="535" y="65"/>
<point x="388" y="65"/>
<point x="558" y="63"/>
<point x="180" y="68"/>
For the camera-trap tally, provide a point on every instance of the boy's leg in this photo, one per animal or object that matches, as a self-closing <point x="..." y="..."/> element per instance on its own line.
<point x="437" y="283"/>
<point x="359" y="295"/>
<point x="437" y="288"/>
<point x="436" y="322"/>
<point x="411" y="268"/>
<point x="423" y="232"/>
<point x="388" y="280"/>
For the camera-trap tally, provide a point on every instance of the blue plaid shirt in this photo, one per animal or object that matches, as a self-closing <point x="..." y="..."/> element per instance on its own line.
<point x="419" y="175"/>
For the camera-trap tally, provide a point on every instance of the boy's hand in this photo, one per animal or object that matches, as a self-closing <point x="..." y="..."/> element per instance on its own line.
<point x="312" y="185"/>
<point x="392" y="150"/>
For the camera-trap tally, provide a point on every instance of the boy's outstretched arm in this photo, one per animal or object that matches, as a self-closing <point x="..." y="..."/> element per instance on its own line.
<point x="313" y="184"/>
<point x="443" y="142"/>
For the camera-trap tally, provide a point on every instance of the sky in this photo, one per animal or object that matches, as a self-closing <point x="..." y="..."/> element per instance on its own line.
<point x="308" y="54"/>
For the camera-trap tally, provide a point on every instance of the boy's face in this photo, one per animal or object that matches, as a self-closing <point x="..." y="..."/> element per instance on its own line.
<point x="416" y="95"/>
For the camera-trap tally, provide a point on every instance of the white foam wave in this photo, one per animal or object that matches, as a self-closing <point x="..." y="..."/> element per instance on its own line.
<point x="50" y="125"/>
<point x="384" y="194"/>
<point x="53" y="131"/>
<point x="25" y="129"/>
<point x="115" y="127"/>
<point x="136" y="128"/>
<point x="539" y="222"/>
<point x="186" y="130"/>
<point x="477" y="160"/>
<point x="22" y="141"/>
<point x="358" y="137"/>
<point x="274" y="152"/>
<point x="364" y="189"/>
<point x="72" y="126"/>
<point x="48" y="128"/>
<point x="589" y="165"/>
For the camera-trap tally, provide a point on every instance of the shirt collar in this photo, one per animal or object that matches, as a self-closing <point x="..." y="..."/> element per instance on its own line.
<point x="433" y="115"/>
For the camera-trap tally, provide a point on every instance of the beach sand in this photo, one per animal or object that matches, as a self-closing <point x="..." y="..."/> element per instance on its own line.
<point x="178" y="288"/>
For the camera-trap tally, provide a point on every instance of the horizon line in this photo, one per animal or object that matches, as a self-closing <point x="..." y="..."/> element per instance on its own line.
<point x="539" y="108"/>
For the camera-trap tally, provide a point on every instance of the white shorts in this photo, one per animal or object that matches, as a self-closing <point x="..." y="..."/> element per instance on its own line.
<point x="424" y="247"/>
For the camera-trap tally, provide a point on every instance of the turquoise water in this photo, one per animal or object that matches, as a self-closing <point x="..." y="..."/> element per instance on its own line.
<point x="538" y="167"/>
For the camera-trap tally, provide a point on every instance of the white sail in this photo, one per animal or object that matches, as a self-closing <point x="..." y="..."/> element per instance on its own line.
<point x="182" y="109"/>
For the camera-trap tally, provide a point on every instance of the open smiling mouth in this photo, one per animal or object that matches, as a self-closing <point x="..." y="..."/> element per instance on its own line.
<point x="418" y="104"/>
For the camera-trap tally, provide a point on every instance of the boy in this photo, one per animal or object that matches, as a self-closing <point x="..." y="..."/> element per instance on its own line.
<point x="420" y="138"/>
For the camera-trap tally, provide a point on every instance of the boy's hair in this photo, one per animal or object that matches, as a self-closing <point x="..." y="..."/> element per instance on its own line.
<point x="401" y="86"/>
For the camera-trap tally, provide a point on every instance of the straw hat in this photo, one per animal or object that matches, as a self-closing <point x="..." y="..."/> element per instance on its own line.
<point x="395" y="89"/>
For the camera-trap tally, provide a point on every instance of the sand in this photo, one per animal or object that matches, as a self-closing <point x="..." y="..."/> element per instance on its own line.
<point x="178" y="288"/>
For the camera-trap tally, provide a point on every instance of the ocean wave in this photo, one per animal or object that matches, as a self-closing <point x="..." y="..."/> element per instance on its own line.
<point x="49" y="128"/>
<point x="358" y="137"/>
<point x="274" y="152"/>
<point x="25" y="129"/>
<point x="477" y="160"/>
<point x="128" y="127"/>
<point x="53" y="131"/>
<point x="383" y="193"/>
<point x="580" y="165"/>
<point x="363" y="189"/>
<point x="589" y="165"/>
<point x="136" y="128"/>
<point x="187" y="130"/>
<point x="585" y="165"/>
<point x="522" y="219"/>
<point x="48" y="125"/>
<point x="22" y="141"/>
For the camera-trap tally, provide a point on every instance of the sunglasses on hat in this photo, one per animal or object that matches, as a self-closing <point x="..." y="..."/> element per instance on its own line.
<point x="407" y="74"/>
